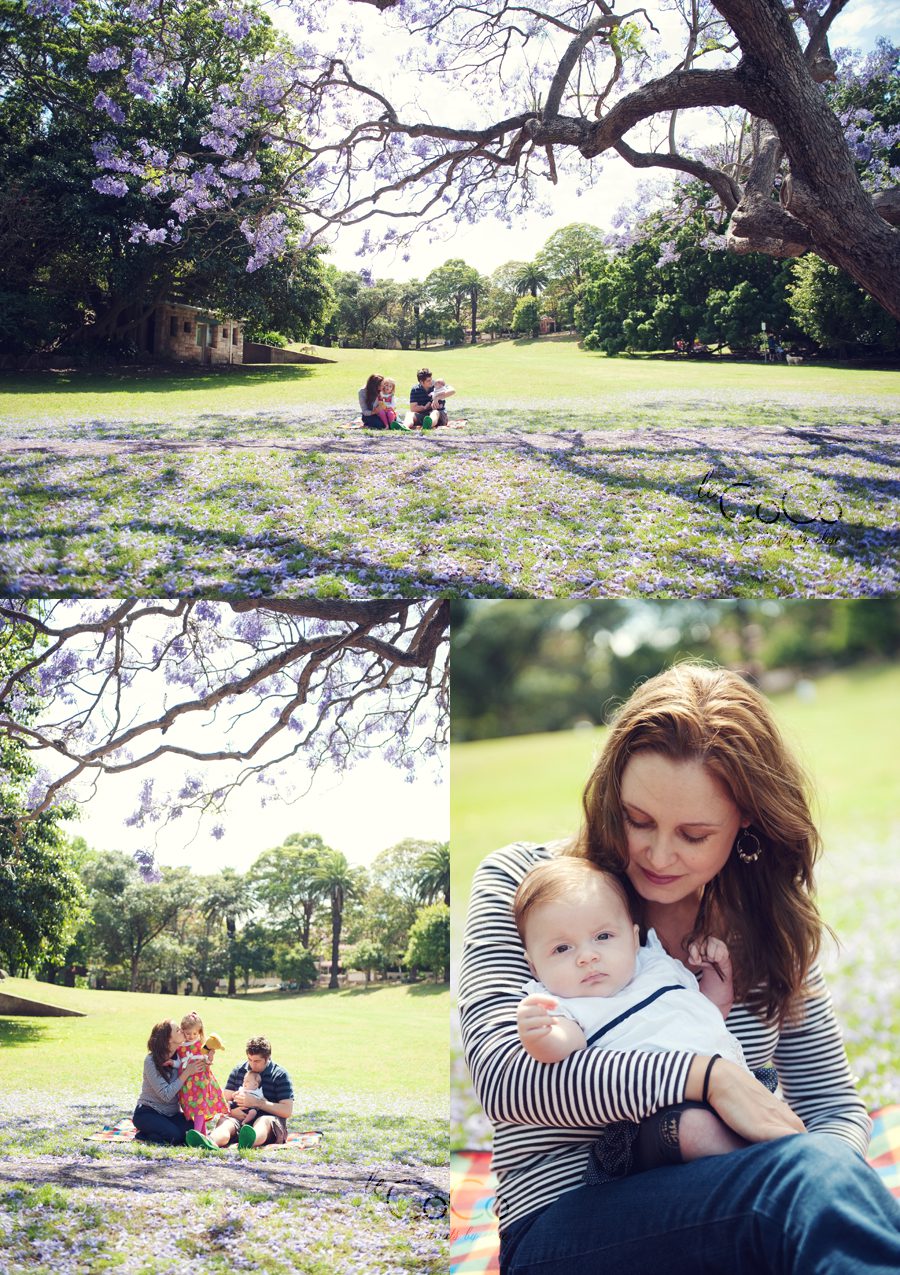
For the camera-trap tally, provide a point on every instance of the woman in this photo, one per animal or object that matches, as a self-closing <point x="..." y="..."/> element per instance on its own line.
<point x="157" y="1117"/>
<point x="368" y="397"/>
<point x="696" y="801"/>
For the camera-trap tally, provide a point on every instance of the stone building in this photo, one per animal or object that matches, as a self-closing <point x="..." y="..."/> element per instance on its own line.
<point x="190" y="334"/>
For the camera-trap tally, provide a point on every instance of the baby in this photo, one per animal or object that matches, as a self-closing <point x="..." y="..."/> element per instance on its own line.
<point x="251" y="1086"/>
<point x="440" y="392"/>
<point x="596" y="985"/>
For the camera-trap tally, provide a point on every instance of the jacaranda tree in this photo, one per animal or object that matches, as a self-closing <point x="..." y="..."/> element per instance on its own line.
<point x="290" y="685"/>
<point x="546" y="87"/>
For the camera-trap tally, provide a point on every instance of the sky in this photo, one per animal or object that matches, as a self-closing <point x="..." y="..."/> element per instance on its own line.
<point x="489" y="244"/>
<point x="365" y="811"/>
<point x="361" y="812"/>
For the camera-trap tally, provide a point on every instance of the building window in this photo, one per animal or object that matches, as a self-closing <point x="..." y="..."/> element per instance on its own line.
<point x="234" y="336"/>
<point x="173" y="325"/>
<point x="187" y="326"/>
<point x="213" y="333"/>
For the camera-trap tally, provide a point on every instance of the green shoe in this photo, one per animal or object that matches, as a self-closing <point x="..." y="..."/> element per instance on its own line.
<point x="194" y="1138"/>
<point x="246" y="1137"/>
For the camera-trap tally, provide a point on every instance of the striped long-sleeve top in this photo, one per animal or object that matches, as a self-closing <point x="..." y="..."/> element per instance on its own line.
<point x="545" y="1116"/>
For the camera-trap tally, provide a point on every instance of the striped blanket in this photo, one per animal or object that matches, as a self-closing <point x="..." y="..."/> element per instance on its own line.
<point x="124" y="1131"/>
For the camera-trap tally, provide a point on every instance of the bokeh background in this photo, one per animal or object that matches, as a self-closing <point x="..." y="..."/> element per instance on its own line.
<point x="533" y="684"/>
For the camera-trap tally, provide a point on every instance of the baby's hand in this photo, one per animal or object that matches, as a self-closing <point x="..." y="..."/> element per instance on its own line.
<point x="533" y="1017"/>
<point x="716" y="976"/>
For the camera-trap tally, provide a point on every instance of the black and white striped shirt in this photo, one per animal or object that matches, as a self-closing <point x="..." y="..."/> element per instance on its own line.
<point x="546" y="1115"/>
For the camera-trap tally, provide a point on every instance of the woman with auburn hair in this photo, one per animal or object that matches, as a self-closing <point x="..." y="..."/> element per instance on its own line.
<point x="157" y="1117"/>
<point x="368" y="397"/>
<point x="696" y="803"/>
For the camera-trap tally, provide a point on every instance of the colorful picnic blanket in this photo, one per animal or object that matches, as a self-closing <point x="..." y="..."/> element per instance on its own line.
<point x="457" y="423"/>
<point x="124" y="1131"/>
<point x="473" y="1226"/>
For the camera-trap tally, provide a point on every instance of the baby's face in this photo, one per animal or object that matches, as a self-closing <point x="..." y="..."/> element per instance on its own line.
<point x="583" y="947"/>
<point x="251" y="1080"/>
<point x="191" y="1035"/>
<point x="439" y="385"/>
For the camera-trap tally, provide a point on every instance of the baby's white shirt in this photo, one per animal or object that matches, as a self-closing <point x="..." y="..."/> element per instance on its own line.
<point x="661" y="1009"/>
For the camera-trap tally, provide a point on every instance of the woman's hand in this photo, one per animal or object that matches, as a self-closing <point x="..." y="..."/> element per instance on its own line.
<point x="196" y="1064"/>
<point x="742" y="1102"/>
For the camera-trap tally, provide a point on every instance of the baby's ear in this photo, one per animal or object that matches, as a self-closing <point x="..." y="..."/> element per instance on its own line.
<point x="531" y="965"/>
<point x="637" y="936"/>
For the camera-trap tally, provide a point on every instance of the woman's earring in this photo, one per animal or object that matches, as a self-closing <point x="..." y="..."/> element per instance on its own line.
<point x="747" y="852"/>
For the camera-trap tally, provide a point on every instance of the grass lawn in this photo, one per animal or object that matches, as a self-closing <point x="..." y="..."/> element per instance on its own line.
<point x="529" y="787"/>
<point x="369" y="1070"/>
<point x="577" y="475"/>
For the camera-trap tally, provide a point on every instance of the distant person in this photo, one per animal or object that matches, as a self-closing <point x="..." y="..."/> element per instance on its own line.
<point x="156" y="1116"/>
<point x="770" y="348"/>
<point x="200" y="1098"/>
<point x="275" y="1106"/>
<point x="428" y="398"/>
<point x="385" y="405"/>
<point x="368" y="398"/>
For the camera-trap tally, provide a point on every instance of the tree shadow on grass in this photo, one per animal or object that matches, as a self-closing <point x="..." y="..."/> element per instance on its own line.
<point x="139" y="380"/>
<point x="16" y="1031"/>
<point x="854" y="543"/>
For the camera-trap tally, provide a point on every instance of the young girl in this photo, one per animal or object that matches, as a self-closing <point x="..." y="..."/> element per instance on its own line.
<point x="384" y="407"/>
<point x="200" y="1096"/>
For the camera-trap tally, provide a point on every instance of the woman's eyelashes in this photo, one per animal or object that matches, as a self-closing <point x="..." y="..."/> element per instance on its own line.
<point x="692" y="841"/>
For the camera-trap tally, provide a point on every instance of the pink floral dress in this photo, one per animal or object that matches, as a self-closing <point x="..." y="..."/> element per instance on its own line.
<point x="200" y="1097"/>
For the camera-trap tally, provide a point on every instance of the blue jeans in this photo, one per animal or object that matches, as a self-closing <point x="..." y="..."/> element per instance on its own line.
<point x="803" y="1205"/>
<point x="152" y="1126"/>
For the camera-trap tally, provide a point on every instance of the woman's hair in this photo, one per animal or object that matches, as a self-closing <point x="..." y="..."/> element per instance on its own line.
<point x="158" y="1046"/>
<point x="373" y="385"/>
<point x="563" y="878"/>
<point x="692" y="712"/>
<point x="192" y="1021"/>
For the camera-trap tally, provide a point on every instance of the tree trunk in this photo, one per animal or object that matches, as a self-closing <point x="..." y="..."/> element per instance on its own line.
<point x="474" y="296"/>
<point x="307" y="922"/>
<point x="135" y="961"/>
<point x="825" y="195"/>
<point x="335" y="940"/>
<point x="231" y="930"/>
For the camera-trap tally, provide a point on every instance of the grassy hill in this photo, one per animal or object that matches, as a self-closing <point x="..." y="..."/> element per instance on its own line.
<point x="387" y="1043"/>
<point x="536" y="375"/>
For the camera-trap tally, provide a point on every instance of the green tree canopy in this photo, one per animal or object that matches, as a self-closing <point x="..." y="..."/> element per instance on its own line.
<point x="429" y="941"/>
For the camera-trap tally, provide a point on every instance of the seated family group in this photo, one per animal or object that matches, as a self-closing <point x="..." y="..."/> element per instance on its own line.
<point x="181" y="1102"/>
<point x="427" y="403"/>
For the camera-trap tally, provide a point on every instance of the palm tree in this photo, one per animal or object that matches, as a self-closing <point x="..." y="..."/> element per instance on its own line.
<point x="433" y="874"/>
<point x="227" y="897"/>
<point x="338" y="881"/>
<point x="531" y="278"/>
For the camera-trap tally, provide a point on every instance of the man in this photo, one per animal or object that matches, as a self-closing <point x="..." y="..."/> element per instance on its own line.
<point x="421" y="403"/>
<point x="275" y="1104"/>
